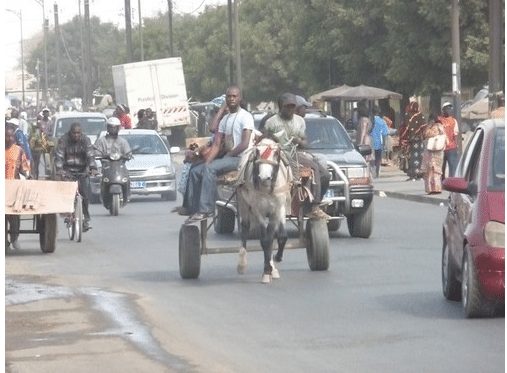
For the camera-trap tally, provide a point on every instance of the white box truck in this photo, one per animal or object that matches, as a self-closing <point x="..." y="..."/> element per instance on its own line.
<point x="159" y="85"/>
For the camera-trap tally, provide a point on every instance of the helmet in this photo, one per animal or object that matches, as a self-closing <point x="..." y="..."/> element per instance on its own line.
<point x="113" y="121"/>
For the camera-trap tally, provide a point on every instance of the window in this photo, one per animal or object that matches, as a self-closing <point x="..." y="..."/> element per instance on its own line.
<point x="496" y="179"/>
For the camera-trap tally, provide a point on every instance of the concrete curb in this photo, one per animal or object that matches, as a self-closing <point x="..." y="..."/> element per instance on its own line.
<point x="414" y="198"/>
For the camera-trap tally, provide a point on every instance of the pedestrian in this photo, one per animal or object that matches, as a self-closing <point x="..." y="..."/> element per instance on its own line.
<point x="234" y="132"/>
<point x="20" y="139"/>
<point x="378" y="132"/>
<point x="16" y="163"/>
<point x="413" y="137"/>
<point x="122" y="113"/>
<point x="140" y="115"/>
<point x="451" y="155"/>
<point x="46" y="122"/>
<point x="433" y="156"/>
<point x="148" y="121"/>
<point x="363" y="136"/>
<point x="289" y="129"/>
<point x="40" y="146"/>
<point x="21" y="121"/>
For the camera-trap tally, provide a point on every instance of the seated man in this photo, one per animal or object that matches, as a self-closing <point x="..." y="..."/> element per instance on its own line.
<point x="74" y="160"/>
<point x="289" y="130"/>
<point x="234" y="132"/>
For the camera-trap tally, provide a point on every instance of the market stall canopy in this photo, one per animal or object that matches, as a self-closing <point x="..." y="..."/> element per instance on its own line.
<point x="329" y="93"/>
<point x="356" y="93"/>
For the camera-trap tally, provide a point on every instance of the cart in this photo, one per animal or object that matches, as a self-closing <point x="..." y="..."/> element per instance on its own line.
<point x="40" y="201"/>
<point x="193" y="242"/>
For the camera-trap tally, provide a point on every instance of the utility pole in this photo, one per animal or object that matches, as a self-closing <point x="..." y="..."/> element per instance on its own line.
<point x="58" y="54"/>
<point x="46" y="83"/>
<point x="128" y="31"/>
<point x="37" y="68"/>
<point x="88" y="54"/>
<point x="170" y="14"/>
<point x="141" y="30"/>
<point x="83" y="72"/>
<point x="239" y="79"/>
<point x="495" y="59"/>
<point x="231" y="63"/>
<point x="456" y="72"/>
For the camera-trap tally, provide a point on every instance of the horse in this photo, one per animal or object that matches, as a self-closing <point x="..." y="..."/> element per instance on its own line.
<point x="265" y="177"/>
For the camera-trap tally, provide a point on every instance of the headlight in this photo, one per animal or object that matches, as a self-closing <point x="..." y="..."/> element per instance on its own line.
<point x="115" y="156"/>
<point x="358" y="176"/>
<point x="162" y="170"/>
<point x="494" y="233"/>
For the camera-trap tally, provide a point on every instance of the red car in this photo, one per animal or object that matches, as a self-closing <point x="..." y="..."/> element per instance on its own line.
<point x="473" y="254"/>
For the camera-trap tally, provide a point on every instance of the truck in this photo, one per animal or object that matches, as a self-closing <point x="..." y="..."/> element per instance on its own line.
<point x="159" y="85"/>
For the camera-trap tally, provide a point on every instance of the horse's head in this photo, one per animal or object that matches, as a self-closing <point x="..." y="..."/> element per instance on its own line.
<point x="266" y="160"/>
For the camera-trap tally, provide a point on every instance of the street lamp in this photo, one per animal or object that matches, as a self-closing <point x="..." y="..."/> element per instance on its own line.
<point x="20" y="16"/>
<point x="44" y="29"/>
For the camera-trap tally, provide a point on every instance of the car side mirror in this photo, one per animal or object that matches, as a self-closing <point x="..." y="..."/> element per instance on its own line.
<point x="459" y="185"/>
<point x="364" y="149"/>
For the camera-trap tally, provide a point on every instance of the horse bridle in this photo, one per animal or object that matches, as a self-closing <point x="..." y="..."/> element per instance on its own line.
<point x="264" y="160"/>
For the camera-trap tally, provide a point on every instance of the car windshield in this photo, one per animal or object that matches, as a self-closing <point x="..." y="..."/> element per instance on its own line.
<point x="89" y="125"/>
<point x="497" y="176"/>
<point x="146" y="144"/>
<point x="327" y="133"/>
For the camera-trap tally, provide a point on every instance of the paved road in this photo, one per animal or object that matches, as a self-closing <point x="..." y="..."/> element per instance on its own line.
<point x="115" y="302"/>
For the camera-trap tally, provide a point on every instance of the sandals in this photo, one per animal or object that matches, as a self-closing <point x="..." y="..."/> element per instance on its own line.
<point x="198" y="216"/>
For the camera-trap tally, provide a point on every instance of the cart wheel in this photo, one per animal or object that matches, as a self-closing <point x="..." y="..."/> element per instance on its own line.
<point x="47" y="233"/>
<point x="317" y="244"/>
<point x="78" y="218"/>
<point x="115" y="205"/>
<point x="189" y="252"/>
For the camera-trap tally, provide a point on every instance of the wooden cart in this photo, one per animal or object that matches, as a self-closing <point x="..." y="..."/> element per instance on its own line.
<point x="40" y="201"/>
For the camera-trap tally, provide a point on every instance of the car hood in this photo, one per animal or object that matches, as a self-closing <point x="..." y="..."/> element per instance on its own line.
<point x="342" y="157"/>
<point x="145" y="161"/>
<point x="496" y="206"/>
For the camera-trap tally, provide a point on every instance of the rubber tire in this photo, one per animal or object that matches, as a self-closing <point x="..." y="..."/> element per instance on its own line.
<point x="71" y="228"/>
<point x="169" y="196"/>
<point x="333" y="225"/>
<point x="361" y="224"/>
<point x="317" y="244"/>
<point x="474" y="303"/>
<point x="225" y="220"/>
<point x="78" y="221"/>
<point x="189" y="252"/>
<point x="115" y="205"/>
<point x="450" y="284"/>
<point x="48" y="231"/>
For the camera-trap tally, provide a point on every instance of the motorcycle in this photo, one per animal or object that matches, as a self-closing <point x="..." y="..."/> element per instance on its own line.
<point x="115" y="182"/>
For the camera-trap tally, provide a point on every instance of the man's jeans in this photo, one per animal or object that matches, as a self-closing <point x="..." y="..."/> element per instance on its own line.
<point x="193" y="191"/>
<point x="451" y="157"/>
<point x="209" y="180"/>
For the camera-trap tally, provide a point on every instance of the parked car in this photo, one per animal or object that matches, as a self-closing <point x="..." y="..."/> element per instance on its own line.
<point x="151" y="169"/>
<point x="473" y="254"/>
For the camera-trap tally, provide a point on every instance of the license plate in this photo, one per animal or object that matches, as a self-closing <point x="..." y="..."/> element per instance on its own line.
<point x="329" y="194"/>
<point x="137" y="184"/>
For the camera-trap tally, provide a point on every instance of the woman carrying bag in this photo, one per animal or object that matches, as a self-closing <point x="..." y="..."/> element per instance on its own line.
<point x="433" y="155"/>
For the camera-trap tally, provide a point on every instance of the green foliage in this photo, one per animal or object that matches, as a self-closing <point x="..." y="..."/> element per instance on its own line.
<point x="304" y="46"/>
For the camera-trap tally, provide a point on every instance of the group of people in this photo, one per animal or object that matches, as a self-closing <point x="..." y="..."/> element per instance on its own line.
<point x="233" y="133"/>
<point x="429" y="147"/>
<point x="74" y="159"/>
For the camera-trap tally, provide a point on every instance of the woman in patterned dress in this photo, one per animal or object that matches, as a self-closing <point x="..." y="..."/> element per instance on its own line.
<point x="413" y="135"/>
<point x="433" y="160"/>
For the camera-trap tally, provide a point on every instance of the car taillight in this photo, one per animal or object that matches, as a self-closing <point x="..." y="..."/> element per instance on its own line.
<point x="494" y="234"/>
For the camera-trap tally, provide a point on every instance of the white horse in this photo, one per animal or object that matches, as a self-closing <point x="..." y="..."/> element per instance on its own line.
<point x="262" y="195"/>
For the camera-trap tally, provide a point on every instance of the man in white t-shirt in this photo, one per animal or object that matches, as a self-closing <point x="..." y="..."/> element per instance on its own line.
<point x="234" y="133"/>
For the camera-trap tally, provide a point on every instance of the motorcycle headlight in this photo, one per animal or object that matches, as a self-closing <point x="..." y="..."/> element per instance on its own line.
<point x="115" y="156"/>
<point x="494" y="234"/>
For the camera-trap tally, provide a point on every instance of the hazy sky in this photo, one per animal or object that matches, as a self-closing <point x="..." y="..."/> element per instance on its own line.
<point x="107" y="10"/>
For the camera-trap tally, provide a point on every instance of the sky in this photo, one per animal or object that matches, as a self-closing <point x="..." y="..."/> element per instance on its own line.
<point x="106" y="10"/>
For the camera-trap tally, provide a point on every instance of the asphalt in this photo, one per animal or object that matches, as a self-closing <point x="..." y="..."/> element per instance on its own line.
<point x="391" y="183"/>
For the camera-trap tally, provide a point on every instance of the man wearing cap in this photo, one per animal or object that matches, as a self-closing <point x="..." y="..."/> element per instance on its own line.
<point x="74" y="159"/>
<point x="121" y="113"/>
<point x="451" y="156"/>
<point x="289" y="129"/>
<point x="45" y="122"/>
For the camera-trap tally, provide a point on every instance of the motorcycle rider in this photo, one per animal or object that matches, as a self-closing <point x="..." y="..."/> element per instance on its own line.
<point x="112" y="143"/>
<point x="74" y="160"/>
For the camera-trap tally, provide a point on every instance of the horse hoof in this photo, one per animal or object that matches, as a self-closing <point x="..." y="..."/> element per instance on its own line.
<point x="242" y="262"/>
<point x="266" y="278"/>
<point x="275" y="274"/>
